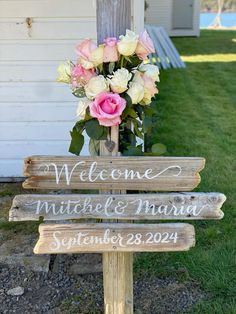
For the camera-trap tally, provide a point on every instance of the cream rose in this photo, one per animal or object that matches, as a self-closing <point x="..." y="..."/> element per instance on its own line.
<point x="97" y="55"/>
<point x="147" y="97"/>
<point x="119" y="80"/>
<point x="136" y="92"/>
<point x="64" y="73"/>
<point x="149" y="87"/>
<point x="82" y="106"/>
<point x="95" y="86"/>
<point x="128" y="43"/>
<point x="151" y="71"/>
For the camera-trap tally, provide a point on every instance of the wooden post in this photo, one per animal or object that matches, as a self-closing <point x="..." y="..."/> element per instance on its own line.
<point x="113" y="18"/>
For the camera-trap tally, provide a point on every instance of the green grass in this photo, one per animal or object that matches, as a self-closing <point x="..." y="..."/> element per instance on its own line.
<point x="196" y="116"/>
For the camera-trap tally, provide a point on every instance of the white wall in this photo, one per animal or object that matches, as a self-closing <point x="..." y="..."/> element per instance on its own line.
<point x="160" y="13"/>
<point x="36" y="113"/>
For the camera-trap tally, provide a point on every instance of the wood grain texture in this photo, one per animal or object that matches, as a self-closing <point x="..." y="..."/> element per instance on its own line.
<point x="161" y="206"/>
<point x="128" y="173"/>
<point x="115" y="237"/>
<point x="113" y="18"/>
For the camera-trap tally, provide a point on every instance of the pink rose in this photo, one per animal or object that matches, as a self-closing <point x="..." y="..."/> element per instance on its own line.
<point x="84" y="51"/>
<point x="85" y="48"/>
<point x="150" y="85"/>
<point x="81" y="76"/>
<point x="145" y="46"/>
<point x="110" y="50"/>
<point x="107" y="108"/>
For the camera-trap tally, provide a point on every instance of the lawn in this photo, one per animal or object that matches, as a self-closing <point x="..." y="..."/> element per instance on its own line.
<point x="196" y="116"/>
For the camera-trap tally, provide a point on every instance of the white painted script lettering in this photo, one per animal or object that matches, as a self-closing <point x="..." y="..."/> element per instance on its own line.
<point x="111" y="239"/>
<point x="93" y="173"/>
<point x="109" y="206"/>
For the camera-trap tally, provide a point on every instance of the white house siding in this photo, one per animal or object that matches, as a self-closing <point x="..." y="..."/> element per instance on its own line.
<point x="36" y="113"/>
<point x="160" y="13"/>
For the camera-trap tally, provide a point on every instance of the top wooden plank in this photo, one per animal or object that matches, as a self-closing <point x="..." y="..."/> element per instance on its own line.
<point x="128" y="173"/>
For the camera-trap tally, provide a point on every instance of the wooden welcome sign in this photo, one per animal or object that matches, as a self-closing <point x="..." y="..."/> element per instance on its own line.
<point x="130" y="173"/>
<point x="115" y="240"/>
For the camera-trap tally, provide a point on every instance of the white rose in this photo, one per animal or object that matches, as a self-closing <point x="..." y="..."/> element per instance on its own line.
<point x="82" y="106"/>
<point x="119" y="80"/>
<point x="136" y="92"/>
<point x="127" y="43"/>
<point x="64" y="71"/>
<point x="95" y="86"/>
<point x="151" y="71"/>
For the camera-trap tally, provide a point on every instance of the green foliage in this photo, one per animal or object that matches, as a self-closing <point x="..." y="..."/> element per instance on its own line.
<point x="137" y="128"/>
<point x="94" y="147"/>
<point x="95" y="130"/>
<point x="126" y="138"/>
<point x="133" y="151"/>
<point x="111" y="67"/>
<point x="77" y="142"/>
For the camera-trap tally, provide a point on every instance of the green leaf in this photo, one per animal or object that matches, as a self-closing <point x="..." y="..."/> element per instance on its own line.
<point x="135" y="61"/>
<point x="128" y="100"/>
<point x="95" y="130"/>
<point x="132" y="113"/>
<point x="79" y="92"/>
<point x="111" y="67"/>
<point x="158" y="149"/>
<point x="77" y="142"/>
<point x="94" y="147"/>
<point x="147" y="124"/>
<point x="148" y="111"/>
<point x="126" y="138"/>
<point x="133" y="151"/>
<point x="129" y="112"/>
<point x="129" y="104"/>
<point x="139" y="110"/>
<point x="128" y="59"/>
<point x="137" y="132"/>
<point x="79" y="126"/>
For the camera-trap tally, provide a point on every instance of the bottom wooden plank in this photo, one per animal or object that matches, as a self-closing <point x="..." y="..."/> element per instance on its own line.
<point x="114" y="237"/>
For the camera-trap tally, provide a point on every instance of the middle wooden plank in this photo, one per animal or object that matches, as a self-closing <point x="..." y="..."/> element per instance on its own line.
<point x="116" y="206"/>
<point x="128" y="173"/>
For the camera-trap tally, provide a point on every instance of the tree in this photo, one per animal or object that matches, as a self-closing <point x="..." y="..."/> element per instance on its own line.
<point x="217" y="20"/>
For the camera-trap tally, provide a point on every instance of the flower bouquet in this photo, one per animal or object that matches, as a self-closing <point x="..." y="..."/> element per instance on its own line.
<point x="115" y="86"/>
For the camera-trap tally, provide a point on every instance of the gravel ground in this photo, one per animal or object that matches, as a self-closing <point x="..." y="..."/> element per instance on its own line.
<point x="60" y="292"/>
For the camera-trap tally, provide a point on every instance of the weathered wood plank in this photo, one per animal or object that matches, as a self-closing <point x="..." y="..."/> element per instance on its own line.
<point x="136" y="173"/>
<point x="116" y="237"/>
<point x="113" y="18"/>
<point x="169" y="206"/>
